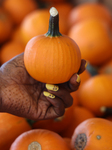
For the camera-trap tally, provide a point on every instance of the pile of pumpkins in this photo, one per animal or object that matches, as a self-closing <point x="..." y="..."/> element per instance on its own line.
<point x="90" y="26"/>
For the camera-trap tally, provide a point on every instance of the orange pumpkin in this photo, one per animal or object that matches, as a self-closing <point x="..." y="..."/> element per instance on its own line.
<point x="6" y="26"/>
<point x="93" y="134"/>
<point x="94" y="40"/>
<point x="10" y="49"/>
<point x="52" y="57"/>
<point x="35" y="23"/>
<point x="40" y="139"/>
<point x="96" y="92"/>
<point x="58" y="124"/>
<point x="10" y="128"/>
<point x="18" y="9"/>
<point x="90" y="10"/>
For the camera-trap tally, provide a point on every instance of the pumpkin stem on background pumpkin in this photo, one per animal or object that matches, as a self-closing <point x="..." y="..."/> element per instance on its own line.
<point x="106" y="110"/>
<point x="53" y="30"/>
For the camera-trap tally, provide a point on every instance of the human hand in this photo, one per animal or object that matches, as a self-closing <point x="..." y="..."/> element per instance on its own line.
<point x="23" y="96"/>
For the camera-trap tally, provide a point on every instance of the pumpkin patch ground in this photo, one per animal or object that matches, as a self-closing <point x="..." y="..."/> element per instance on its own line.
<point x="54" y="36"/>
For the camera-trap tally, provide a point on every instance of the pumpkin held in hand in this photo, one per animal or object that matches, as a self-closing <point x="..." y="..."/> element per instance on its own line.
<point x="52" y="58"/>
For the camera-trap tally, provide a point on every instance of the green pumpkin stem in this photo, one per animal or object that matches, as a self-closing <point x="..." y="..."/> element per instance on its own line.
<point x="53" y="30"/>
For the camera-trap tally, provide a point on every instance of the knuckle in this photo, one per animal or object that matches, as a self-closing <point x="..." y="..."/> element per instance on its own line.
<point x="70" y="102"/>
<point x="61" y="112"/>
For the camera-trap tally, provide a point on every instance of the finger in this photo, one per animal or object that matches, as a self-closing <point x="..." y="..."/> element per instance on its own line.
<point x="61" y="93"/>
<point x="83" y="66"/>
<point x="53" y="112"/>
<point x="74" y="82"/>
<point x="57" y="106"/>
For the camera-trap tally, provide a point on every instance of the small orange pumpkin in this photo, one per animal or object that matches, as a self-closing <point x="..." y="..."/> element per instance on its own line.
<point x="52" y="57"/>
<point x="96" y="92"/>
<point x="40" y="139"/>
<point x="10" y="128"/>
<point x="19" y="9"/>
<point x="35" y="23"/>
<point x="10" y="49"/>
<point x="90" y="10"/>
<point x="93" y="134"/>
<point x="94" y="40"/>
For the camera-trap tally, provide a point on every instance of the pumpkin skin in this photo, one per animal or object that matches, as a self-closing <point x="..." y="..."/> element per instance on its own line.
<point x="95" y="93"/>
<point x="96" y="10"/>
<point x="94" y="40"/>
<point x="96" y="133"/>
<point x="52" y="58"/>
<point x="10" y="49"/>
<point x="35" y="23"/>
<point x="48" y="140"/>
<point x="10" y="128"/>
<point x="19" y="9"/>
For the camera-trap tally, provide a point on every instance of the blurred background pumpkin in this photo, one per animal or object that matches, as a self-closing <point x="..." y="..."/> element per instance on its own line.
<point x="18" y="9"/>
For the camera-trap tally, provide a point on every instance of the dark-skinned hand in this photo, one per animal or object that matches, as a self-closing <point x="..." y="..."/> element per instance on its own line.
<point x="23" y="96"/>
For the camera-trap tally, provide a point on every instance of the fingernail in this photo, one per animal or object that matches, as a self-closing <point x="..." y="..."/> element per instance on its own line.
<point x="52" y="87"/>
<point x="86" y="64"/>
<point x="78" y="78"/>
<point x="47" y="94"/>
